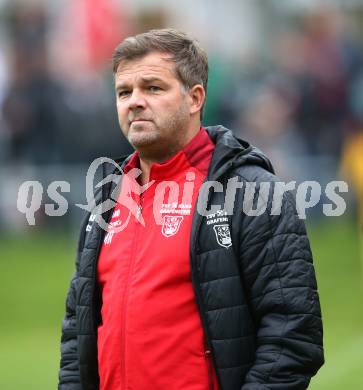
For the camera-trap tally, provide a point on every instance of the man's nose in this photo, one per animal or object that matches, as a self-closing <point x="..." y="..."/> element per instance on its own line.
<point x="137" y="99"/>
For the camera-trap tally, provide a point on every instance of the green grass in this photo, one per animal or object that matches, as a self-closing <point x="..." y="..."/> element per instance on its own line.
<point x="35" y="273"/>
<point x="336" y="252"/>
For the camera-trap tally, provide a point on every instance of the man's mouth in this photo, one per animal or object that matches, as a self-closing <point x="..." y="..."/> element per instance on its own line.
<point x="139" y="120"/>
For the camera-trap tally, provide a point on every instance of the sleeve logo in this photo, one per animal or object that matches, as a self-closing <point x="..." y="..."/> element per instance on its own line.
<point x="223" y="235"/>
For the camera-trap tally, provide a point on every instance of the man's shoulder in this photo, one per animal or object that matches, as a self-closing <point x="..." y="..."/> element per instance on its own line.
<point x="253" y="173"/>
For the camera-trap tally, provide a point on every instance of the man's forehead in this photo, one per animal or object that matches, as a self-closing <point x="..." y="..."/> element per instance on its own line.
<point x="154" y="64"/>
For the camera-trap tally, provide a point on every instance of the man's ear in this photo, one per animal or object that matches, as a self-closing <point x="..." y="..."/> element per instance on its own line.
<point x="197" y="98"/>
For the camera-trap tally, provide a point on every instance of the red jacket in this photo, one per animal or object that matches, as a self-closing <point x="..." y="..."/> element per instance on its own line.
<point x="151" y="334"/>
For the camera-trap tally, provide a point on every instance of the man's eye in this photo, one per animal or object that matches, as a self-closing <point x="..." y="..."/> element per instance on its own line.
<point x="123" y="93"/>
<point x="154" y="88"/>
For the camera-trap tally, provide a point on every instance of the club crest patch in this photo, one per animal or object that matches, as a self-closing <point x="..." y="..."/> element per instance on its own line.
<point x="223" y="235"/>
<point x="171" y="225"/>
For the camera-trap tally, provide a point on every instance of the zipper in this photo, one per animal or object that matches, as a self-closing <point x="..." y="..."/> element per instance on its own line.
<point x="208" y="356"/>
<point x="139" y="211"/>
<point x="195" y="282"/>
<point x="126" y="295"/>
<point x="196" y="224"/>
<point x="101" y="235"/>
<point x="139" y="208"/>
<point x="105" y="190"/>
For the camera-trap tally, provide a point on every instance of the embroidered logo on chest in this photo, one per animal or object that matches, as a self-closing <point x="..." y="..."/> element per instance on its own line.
<point x="171" y="225"/>
<point x="223" y="235"/>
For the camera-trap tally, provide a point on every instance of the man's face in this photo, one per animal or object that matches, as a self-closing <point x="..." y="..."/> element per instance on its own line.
<point x="153" y="107"/>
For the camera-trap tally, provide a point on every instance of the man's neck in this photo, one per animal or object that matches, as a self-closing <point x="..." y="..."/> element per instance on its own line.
<point x="147" y="161"/>
<point x="145" y="166"/>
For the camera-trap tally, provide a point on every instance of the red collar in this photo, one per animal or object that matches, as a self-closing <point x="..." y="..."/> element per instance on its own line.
<point x="197" y="153"/>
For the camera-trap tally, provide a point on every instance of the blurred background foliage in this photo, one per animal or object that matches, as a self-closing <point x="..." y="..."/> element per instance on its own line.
<point x="287" y="75"/>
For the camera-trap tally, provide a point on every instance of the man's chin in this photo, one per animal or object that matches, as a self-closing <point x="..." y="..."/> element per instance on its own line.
<point x="142" y="140"/>
<point x="142" y="125"/>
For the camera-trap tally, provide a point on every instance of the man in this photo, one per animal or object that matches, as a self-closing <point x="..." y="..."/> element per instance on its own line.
<point x="188" y="294"/>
